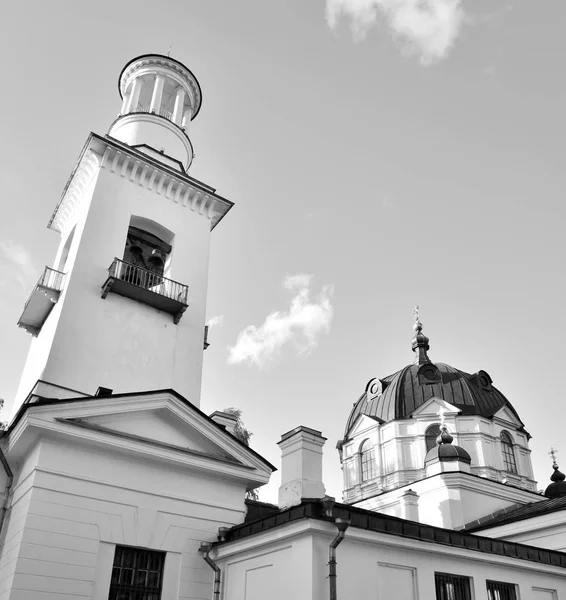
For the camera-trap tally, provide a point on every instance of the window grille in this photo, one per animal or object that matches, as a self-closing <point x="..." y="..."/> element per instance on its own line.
<point x="452" y="587"/>
<point x="137" y="574"/>
<point x="497" y="590"/>
<point x="368" y="461"/>
<point x="431" y="434"/>
<point x="509" y="463"/>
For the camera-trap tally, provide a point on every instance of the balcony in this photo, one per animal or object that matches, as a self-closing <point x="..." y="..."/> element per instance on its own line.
<point x="148" y="287"/>
<point x="41" y="301"/>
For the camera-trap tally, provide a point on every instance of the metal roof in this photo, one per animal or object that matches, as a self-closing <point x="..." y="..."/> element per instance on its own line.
<point x="403" y="394"/>
<point x="510" y="515"/>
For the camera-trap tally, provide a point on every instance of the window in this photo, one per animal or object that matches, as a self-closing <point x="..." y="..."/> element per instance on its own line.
<point x="432" y="432"/>
<point x="137" y="574"/>
<point x="496" y="590"/>
<point x="368" y="461"/>
<point x="509" y="463"/>
<point x="452" y="587"/>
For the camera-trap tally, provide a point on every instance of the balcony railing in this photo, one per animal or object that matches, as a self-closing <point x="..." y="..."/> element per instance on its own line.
<point x="148" y="287"/>
<point x="41" y="301"/>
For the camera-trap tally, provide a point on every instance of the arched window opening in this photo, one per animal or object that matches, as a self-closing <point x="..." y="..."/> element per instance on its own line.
<point x="147" y="251"/>
<point x="432" y="432"/>
<point x="509" y="463"/>
<point x="367" y="459"/>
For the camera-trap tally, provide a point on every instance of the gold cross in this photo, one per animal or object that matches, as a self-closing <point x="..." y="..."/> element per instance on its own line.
<point x="169" y="50"/>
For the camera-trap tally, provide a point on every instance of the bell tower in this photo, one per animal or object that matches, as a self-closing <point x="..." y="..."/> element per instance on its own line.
<point x="122" y="307"/>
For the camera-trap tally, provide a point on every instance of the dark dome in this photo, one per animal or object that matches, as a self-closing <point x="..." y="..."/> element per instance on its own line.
<point x="557" y="488"/>
<point x="447" y="452"/>
<point x="405" y="391"/>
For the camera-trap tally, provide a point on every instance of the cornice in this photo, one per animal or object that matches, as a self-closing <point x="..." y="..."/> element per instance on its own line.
<point x="126" y="162"/>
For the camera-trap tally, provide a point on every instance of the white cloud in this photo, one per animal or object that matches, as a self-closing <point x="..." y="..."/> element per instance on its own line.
<point x="426" y="28"/>
<point x="301" y="280"/>
<point x="215" y="321"/>
<point x="303" y="323"/>
<point x="16" y="264"/>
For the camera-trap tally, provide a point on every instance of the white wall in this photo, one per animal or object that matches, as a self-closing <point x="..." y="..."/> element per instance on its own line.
<point x="72" y="505"/>
<point x="371" y="566"/>
<point x="117" y="342"/>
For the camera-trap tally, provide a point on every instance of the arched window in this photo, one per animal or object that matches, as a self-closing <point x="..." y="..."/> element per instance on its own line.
<point x="509" y="463"/>
<point x="367" y="459"/>
<point x="432" y="432"/>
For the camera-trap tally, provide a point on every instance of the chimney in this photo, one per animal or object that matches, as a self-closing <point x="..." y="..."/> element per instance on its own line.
<point x="410" y="506"/>
<point x="301" y="466"/>
<point x="227" y="421"/>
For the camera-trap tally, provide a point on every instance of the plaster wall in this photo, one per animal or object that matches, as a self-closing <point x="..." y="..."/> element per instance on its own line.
<point x="370" y="567"/>
<point x="544" y="531"/>
<point x="117" y="342"/>
<point x="66" y="521"/>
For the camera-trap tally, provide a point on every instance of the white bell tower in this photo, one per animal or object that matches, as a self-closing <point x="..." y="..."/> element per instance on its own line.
<point x="123" y="306"/>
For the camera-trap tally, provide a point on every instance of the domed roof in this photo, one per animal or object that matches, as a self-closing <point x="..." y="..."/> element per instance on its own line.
<point x="557" y="488"/>
<point x="446" y="451"/>
<point x="399" y="395"/>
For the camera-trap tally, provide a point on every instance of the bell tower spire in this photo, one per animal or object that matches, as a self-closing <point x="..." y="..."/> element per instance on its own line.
<point x="123" y="304"/>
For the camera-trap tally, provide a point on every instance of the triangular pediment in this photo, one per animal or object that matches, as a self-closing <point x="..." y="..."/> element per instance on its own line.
<point x="506" y="415"/>
<point x="154" y="424"/>
<point x="435" y="407"/>
<point x="362" y="424"/>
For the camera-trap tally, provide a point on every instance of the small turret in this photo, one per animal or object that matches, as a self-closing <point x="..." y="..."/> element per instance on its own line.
<point x="557" y="488"/>
<point x="160" y="97"/>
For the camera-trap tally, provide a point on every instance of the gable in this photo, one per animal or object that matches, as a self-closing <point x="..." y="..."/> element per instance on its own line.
<point x="159" y="425"/>
<point x="506" y="415"/>
<point x="362" y="424"/>
<point x="435" y="407"/>
<point x="153" y="425"/>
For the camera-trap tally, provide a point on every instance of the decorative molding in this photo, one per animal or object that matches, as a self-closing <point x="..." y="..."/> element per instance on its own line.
<point x="134" y="166"/>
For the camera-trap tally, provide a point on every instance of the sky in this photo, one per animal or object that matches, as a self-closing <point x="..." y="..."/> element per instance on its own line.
<point x="380" y="153"/>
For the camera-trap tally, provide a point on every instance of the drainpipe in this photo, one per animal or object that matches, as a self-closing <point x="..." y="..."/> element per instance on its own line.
<point x="9" y="481"/>
<point x="342" y="525"/>
<point x="205" y="548"/>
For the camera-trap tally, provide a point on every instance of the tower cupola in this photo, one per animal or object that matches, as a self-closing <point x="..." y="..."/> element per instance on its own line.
<point x="160" y="97"/>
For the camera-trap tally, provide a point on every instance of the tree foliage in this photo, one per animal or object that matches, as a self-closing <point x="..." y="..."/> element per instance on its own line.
<point x="244" y="435"/>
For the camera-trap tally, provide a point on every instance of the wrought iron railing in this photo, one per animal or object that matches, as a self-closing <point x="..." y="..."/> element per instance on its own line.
<point x="51" y="279"/>
<point x="149" y="280"/>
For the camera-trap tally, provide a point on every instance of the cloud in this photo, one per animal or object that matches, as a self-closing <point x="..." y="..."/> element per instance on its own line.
<point x="16" y="265"/>
<point x="301" y="280"/>
<point x="425" y="28"/>
<point x="215" y="321"/>
<point x="303" y="323"/>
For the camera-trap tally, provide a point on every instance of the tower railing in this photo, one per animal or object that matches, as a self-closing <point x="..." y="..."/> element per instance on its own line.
<point x="51" y="279"/>
<point x="147" y="286"/>
<point x="161" y="112"/>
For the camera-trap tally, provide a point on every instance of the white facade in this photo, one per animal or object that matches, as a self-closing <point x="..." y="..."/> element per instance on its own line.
<point x="291" y="562"/>
<point x="399" y="451"/>
<point x="144" y="471"/>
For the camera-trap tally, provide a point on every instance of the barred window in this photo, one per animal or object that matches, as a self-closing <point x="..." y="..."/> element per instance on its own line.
<point x="497" y="590"/>
<point x="137" y="574"/>
<point x="431" y="434"/>
<point x="452" y="587"/>
<point x="509" y="463"/>
<point x="367" y="455"/>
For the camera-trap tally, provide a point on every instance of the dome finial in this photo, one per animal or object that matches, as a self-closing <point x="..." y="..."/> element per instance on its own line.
<point x="420" y="341"/>
<point x="557" y="488"/>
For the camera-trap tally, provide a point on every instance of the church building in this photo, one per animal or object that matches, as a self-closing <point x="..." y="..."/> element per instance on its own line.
<point x="112" y="493"/>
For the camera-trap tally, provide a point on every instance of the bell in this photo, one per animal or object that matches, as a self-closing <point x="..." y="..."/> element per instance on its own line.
<point x="157" y="258"/>
<point x="135" y="249"/>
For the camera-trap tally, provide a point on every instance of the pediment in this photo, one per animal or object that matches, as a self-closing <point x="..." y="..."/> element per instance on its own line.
<point x="506" y="415"/>
<point x="155" y="424"/>
<point x="435" y="407"/>
<point x="362" y="424"/>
